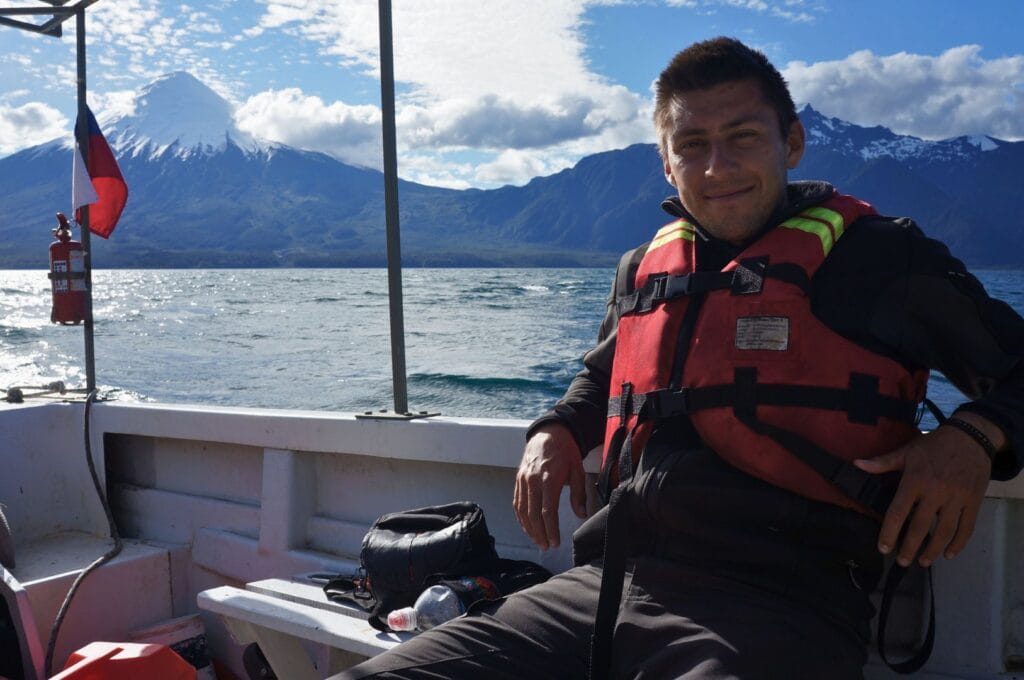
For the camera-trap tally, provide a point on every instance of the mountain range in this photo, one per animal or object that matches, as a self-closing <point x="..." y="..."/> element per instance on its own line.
<point x="205" y="194"/>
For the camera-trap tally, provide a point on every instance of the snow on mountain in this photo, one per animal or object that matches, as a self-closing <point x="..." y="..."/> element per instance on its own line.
<point x="176" y="114"/>
<point x="871" y="143"/>
<point x="983" y="142"/>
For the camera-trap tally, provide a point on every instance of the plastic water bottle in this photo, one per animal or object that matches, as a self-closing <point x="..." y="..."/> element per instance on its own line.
<point x="434" y="606"/>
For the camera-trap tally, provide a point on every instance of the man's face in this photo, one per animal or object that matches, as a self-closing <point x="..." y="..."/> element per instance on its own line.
<point x="728" y="159"/>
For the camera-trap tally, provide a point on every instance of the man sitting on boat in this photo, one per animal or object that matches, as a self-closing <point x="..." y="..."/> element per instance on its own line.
<point x="756" y="385"/>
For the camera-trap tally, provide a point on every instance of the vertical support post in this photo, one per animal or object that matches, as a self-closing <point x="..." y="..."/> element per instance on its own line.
<point x="287" y="502"/>
<point x="82" y="137"/>
<point x="387" y="100"/>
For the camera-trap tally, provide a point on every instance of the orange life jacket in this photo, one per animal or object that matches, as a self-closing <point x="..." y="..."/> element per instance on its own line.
<point x="768" y="386"/>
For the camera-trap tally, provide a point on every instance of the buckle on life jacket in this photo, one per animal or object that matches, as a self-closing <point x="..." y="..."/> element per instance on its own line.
<point x="873" y="491"/>
<point x="667" y="403"/>
<point x="657" y="288"/>
<point x="668" y="287"/>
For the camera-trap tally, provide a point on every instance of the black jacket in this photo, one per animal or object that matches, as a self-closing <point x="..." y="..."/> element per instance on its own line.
<point x="885" y="286"/>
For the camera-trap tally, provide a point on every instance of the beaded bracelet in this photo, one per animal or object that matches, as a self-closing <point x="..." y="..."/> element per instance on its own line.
<point x="975" y="434"/>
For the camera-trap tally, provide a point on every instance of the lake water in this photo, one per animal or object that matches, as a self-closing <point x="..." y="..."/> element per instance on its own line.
<point x="501" y="343"/>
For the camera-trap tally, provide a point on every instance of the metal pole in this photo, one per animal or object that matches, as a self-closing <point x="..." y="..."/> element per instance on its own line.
<point x="387" y="97"/>
<point x="82" y="137"/>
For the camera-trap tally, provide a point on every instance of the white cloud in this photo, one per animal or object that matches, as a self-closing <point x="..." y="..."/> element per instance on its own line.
<point x="14" y="94"/>
<point x="538" y="112"/>
<point x="464" y="92"/>
<point x="347" y="30"/>
<point x="112" y="104"/>
<point x="955" y="93"/>
<point x="510" y="167"/>
<point x="790" y="10"/>
<point x="436" y="169"/>
<point x="28" y="125"/>
<point x="22" y="60"/>
<point x="492" y="122"/>
<point x="349" y="133"/>
<point x="140" y="40"/>
<point x="543" y="36"/>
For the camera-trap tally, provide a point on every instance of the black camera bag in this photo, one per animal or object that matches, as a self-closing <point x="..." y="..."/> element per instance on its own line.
<point x="404" y="551"/>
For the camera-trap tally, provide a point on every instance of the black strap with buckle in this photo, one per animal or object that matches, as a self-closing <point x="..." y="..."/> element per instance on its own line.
<point x="65" y="276"/>
<point x="746" y="279"/>
<point x="861" y="400"/>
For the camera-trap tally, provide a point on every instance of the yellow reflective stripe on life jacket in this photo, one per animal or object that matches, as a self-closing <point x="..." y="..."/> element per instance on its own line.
<point x="680" y="229"/>
<point x="817" y="221"/>
<point x="830" y="216"/>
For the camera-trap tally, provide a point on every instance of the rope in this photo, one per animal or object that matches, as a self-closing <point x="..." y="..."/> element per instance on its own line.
<point x="106" y="557"/>
<point x="16" y="394"/>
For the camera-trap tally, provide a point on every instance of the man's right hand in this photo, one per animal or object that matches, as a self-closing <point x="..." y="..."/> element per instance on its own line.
<point x="551" y="460"/>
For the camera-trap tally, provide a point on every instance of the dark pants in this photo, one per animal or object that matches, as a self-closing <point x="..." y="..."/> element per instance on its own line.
<point x="749" y="582"/>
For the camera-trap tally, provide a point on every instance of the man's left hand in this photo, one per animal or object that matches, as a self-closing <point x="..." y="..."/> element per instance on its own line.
<point x="945" y="474"/>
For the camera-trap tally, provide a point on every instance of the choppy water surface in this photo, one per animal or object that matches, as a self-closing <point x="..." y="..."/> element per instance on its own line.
<point x="495" y="343"/>
<point x="480" y="342"/>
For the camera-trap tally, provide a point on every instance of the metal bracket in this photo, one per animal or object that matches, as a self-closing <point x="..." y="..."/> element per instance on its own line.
<point x="385" y="414"/>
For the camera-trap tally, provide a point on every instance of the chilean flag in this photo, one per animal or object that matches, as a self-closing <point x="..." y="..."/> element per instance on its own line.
<point x="98" y="184"/>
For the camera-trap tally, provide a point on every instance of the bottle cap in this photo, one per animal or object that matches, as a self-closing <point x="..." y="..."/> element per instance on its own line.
<point x="402" y="619"/>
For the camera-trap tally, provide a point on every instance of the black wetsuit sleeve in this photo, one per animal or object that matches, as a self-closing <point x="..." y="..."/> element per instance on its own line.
<point x="892" y="289"/>
<point x="584" y="407"/>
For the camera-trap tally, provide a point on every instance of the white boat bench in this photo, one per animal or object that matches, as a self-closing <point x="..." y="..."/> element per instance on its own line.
<point x="282" y="616"/>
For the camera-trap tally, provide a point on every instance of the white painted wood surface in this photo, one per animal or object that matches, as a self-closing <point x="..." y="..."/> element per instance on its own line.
<point x="30" y="644"/>
<point x="279" y="615"/>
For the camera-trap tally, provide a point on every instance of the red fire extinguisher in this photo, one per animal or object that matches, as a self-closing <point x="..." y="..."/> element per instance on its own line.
<point x="67" y="276"/>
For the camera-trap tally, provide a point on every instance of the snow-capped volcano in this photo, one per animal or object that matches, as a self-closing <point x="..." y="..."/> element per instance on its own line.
<point x="179" y="115"/>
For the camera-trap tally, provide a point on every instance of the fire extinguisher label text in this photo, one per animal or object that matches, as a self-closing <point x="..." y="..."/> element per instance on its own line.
<point x="60" y="267"/>
<point x="77" y="258"/>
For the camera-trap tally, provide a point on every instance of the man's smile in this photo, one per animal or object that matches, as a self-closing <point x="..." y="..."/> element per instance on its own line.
<point x="725" y="195"/>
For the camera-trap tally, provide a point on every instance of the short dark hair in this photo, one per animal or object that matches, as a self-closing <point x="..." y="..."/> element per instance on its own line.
<point x="706" y="64"/>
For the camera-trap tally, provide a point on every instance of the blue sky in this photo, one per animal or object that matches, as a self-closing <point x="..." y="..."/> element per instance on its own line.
<point x="495" y="92"/>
